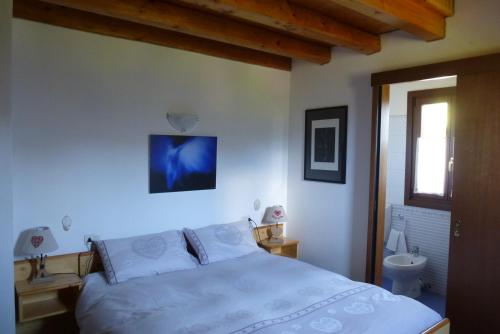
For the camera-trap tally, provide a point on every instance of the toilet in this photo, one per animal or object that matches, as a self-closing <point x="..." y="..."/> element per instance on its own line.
<point x="405" y="269"/>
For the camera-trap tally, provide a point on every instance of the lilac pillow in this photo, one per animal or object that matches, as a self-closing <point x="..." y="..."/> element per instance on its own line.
<point x="144" y="255"/>
<point x="222" y="241"/>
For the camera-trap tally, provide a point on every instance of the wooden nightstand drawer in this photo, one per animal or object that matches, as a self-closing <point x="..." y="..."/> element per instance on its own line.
<point x="288" y="247"/>
<point x="41" y="300"/>
<point x="49" y="307"/>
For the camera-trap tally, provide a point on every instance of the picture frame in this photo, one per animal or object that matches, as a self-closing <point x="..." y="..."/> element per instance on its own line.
<point x="182" y="163"/>
<point x="326" y="144"/>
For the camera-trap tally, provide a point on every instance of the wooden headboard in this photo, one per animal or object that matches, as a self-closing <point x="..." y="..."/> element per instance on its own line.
<point x="79" y="263"/>
<point x="84" y="263"/>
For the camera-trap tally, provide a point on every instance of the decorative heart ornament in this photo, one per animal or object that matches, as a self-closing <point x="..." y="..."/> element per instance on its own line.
<point x="36" y="240"/>
<point x="277" y="214"/>
<point x="228" y="234"/>
<point x="150" y="248"/>
<point x="327" y="325"/>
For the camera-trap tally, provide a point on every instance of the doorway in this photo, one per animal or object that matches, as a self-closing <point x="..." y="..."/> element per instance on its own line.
<point x="418" y="189"/>
<point x="475" y="225"/>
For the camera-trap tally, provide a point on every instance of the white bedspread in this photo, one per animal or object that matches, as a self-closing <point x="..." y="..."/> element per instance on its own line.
<point x="257" y="293"/>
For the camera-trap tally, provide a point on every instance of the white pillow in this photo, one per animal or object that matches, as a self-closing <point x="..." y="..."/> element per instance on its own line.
<point x="221" y="242"/>
<point x="144" y="255"/>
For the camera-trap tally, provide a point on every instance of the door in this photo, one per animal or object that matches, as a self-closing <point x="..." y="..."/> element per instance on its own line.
<point x="473" y="298"/>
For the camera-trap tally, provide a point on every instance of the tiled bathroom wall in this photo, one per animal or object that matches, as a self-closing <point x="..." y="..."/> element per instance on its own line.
<point x="430" y="231"/>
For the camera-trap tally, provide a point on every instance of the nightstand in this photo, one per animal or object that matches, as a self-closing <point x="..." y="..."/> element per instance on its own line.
<point x="288" y="247"/>
<point x="41" y="300"/>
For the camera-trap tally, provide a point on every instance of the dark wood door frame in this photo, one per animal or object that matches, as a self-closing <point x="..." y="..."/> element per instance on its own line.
<point x="380" y="125"/>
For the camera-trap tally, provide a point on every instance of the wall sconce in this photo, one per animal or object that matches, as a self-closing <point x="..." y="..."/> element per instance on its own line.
<point x="183" y="121"/>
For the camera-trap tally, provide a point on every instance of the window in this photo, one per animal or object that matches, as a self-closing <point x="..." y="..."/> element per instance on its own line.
<point x="429" y="148"/>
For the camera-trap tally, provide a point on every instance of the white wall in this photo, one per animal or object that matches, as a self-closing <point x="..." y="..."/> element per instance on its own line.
<point x="398" y="95"/>
<point x="331" y="219"/>
<point x="83" y="108"/>
<point x="396" y="150"/>
<point x="396" y="160"/>
<point x="7" y="315"/>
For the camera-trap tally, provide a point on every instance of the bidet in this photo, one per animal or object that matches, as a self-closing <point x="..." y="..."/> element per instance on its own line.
<point x="404" y="270"/>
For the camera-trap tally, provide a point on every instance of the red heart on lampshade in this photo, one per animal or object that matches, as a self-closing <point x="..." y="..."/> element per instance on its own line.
<point x="277" y="213"/>
<point x="36" y="240"/>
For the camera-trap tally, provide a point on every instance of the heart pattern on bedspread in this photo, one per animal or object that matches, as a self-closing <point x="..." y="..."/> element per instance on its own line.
<point x="385" y="297"/>
<point x="326" y="324"/>
<point x="246" y="285"/>
<point x="236" y="298"/>
<point x="279" y="305"/>
<point x="151" y="248"/>
<point x="310" y="291"/>
<point x="237" y="315"/>
<point x="359" y="308"/>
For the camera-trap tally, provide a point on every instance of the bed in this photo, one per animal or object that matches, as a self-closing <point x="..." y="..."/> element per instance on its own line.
<point x="256" y="293"/>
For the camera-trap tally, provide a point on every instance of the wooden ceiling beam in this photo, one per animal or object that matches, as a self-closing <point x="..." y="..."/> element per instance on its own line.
<point x="413" y="16"/>
<point x="74" y="19"/>
<point x="287" y="16"/>
<point x="445" y="7"/>
<point x="164" y="15"/>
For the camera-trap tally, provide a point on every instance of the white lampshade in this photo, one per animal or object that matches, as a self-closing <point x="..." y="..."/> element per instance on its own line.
<point x="274" y="214"/>
<point x="39" y="240"/>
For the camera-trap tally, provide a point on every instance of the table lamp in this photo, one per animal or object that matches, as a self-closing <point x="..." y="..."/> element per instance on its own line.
<point x="39" y="240"/>
<point x="274" y="215"/>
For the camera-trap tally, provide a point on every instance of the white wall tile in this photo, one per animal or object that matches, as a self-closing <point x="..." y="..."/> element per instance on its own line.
<point x="430" y="231"/>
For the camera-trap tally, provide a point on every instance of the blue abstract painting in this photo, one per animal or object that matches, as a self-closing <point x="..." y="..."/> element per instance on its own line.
<point x="182" y="163"/>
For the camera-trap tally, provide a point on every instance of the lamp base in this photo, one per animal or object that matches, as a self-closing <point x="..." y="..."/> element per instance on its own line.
<point x="39" y="280"/>
<point x="273" y="240"/>
<point x="276" y="232"/>
<point x="42" y="276"/>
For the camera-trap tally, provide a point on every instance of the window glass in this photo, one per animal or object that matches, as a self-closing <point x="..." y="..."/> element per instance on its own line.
<point x="430" y="168"/>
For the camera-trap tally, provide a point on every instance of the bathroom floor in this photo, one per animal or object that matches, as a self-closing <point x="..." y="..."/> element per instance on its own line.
<point x="430" y="299"/>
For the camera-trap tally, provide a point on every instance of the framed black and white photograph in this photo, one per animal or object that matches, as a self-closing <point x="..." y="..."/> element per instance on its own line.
<point x="325" y="144"/>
